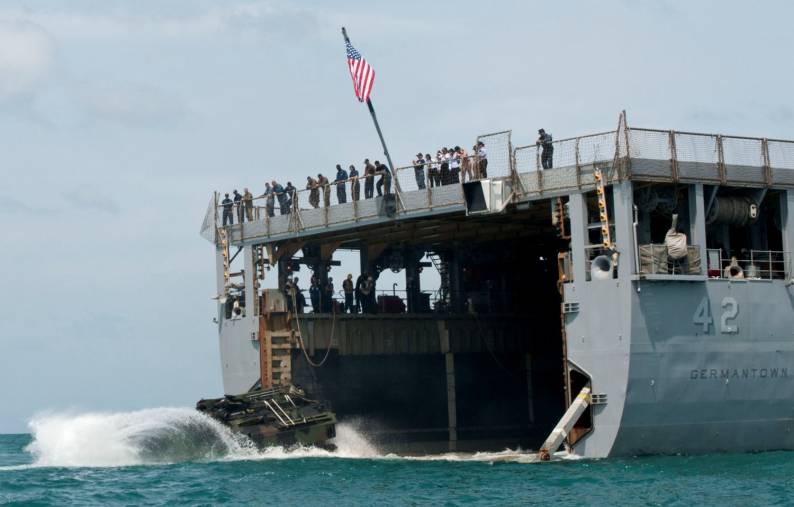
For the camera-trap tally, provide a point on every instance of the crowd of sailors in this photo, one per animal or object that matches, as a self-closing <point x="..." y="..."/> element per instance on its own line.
<point x="359" y="296"/>
<point x="448" y="166"/>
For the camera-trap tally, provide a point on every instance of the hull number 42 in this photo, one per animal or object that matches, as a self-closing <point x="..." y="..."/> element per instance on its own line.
<point x="730" y="309"/>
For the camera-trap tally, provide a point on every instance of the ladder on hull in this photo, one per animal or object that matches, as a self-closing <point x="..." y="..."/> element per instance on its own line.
<point x="276" y="340"/>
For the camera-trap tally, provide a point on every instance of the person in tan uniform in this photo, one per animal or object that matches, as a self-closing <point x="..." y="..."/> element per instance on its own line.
<point x="323" y="182"/>
<point x="248" y="204"/>
<point x="314" y="191"/>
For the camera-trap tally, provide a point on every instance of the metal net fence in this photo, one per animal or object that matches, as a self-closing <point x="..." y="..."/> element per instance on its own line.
<point x="742" y="151"/>
<point x="697" y="148"/>
<point x="527" y="158"/>
<point x="596" y="148"/>
<point x="781" y="154"/>
<point x="649" y="144"/>
<point x="498" y="154"/>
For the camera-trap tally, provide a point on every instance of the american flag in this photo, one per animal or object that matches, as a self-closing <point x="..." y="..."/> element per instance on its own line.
<point x="362" y="73"/>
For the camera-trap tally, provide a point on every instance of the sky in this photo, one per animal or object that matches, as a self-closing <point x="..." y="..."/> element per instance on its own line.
<point x="118" y="119"/>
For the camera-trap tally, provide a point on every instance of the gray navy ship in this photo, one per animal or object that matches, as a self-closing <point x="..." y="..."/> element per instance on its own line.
<point x="644" y="279"/>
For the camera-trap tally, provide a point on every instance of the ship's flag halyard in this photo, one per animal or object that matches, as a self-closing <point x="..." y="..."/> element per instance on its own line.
<point x="362" y="73"/>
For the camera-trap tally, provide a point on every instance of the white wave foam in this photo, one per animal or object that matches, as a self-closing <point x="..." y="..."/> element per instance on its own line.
<point x="158" y="435"/>
<point x="169" y="435"/>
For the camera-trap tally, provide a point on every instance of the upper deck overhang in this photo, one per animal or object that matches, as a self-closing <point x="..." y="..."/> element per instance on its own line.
<point x="646" y="155"/>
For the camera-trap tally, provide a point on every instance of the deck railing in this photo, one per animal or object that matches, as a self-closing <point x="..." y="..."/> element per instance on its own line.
<point x="654" y="260"/>
<point x="754" y="265"/>
<point x="637" y="153"/>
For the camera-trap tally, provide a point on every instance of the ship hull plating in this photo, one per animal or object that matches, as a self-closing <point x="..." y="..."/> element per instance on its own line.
<point x="708" y="367"/>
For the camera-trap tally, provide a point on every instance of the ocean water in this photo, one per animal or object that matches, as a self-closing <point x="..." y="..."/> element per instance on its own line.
<point x="179" y="457"/>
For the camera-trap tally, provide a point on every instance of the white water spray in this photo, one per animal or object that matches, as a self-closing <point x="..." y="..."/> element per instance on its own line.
<point x="162" y="435"/>
<point x="159" y="435"/>
<point x="171" y="435"/>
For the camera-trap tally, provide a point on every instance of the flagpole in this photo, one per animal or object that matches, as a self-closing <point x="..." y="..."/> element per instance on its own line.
<point x="380" y="134"/>
<point x="375" y="120"/>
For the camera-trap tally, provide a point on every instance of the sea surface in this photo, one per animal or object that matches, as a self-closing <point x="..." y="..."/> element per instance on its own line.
<point x="175" y="456"/>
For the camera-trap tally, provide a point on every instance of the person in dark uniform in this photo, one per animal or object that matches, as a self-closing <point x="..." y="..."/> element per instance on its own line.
<point x="358" y="295"/>
<point x="289" y="193"/>
<point x="368" y="291"/>
<point x="444" y="171"/>
<point x="369" y="179"/>
<point x="300" y="299"/>
<point x="278" y="191"/>
<point x="384" y="183"/>
<point x="419" y="171"/>
<point x="228" y="205"/>
<point x="545" y="142"/>
<point x="341" y="181"/>
<point x="238" y="205"/>
<point x="355" y="185"/>
<point x="314" y="294"/>
<point x="328" y="296"/>
<point x="347" y="286"/>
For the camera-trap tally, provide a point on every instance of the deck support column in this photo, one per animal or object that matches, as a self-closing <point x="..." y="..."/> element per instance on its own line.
<point x="249" y="279"/>
<point x="697" y="220"/>
<point x="577" y="211"/>
<point x="363" y="259"/>
<point x="787" y="227"/>
<point x="623" y="204"/>
<point x="452" y="407"/>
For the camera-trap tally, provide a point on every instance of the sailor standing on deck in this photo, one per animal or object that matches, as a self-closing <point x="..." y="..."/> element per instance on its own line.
<point x="238" y="202"/>
<point x="419" y="171"/>
<point x="270" y="203"/>
<point x="323" y="182"/>
<point x="314" y="191"/>
<point x="340" y="180"/>
<point x="482" y="157"/>
<point x="454" y="165"/>
<point x="355" y="185"/>
<point x="368" y="292"/>
<point x="384" y="182"/>
<point x="347" y="286"/>
<point x="328" y="296"/>
<point x="369" y="179"/>
<point x="465" y="166"/>
<point x="300" y="300"/>
<point x="278" y="190"/>
<point x="443" y="159"/>
<point x="289" y="192"/>
<point x="248" y="203"/>
<point x="432" y="170"/>
<point x="545" y="142"/>
<point x="314" y="294"/>
<point x="227" y="204"/>
<point x="359" y="296"/>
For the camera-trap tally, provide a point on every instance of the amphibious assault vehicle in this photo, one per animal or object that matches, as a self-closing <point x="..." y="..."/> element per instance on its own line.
<point x="282" y="415"/>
